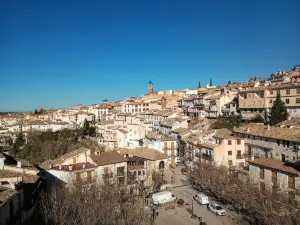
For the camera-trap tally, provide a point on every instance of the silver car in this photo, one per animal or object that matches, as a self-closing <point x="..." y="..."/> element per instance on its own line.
<point x="217" y="209"/>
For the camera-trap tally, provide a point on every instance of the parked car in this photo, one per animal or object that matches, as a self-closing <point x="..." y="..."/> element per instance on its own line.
<point x="217" y="209"/>
<point x="201" y="198"/>
<point x="163" y="197"/>
<point x="184" y="171"/>
<point x="177" y="160"/>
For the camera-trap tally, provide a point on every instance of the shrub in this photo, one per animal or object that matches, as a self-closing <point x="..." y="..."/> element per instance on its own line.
<point x="180" y="201"/>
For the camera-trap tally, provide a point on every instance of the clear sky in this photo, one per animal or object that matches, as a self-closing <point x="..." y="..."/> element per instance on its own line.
<point x="61" y="53"/>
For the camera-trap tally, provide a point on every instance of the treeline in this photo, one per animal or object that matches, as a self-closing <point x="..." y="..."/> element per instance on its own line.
<point x="239" y="193"/>
<point x="104" y="204"/>
<point x="40" y="146"/>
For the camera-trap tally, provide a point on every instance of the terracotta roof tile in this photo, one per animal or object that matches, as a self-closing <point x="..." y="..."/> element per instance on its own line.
<point x="278" y="165"/>
<point x="282" y="133"/>
<point x="106" y="158"/>
<point x="146" y="153"/>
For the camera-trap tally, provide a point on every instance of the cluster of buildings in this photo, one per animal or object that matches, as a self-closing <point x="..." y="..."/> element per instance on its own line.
<point x="142" y="135"/>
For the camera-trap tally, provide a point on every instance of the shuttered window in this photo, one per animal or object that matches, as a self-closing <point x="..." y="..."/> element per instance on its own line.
<point x="274" y="176"/>
<point x="261" y="173"/>
<point x="291" y="182"/>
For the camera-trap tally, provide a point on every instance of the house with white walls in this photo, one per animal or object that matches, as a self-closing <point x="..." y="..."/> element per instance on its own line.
<point x="164" y="144"/>
<point x="84" y="167"/>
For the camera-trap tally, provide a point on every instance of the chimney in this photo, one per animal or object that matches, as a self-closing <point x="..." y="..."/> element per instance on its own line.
<point x="70" y="167"/>
<point x="83" y="165"/>
<point x="19" y="164"/>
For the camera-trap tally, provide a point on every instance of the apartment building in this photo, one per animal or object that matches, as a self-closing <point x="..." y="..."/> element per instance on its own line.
<point x="272" y="175"/>
<point x="142" y="162"/>
<point x="135" y="107"/>
<point x="223" y="149"/>
<point x="107" y="138"/>
<point x="264" y="141"/>
<point x="166" y="126"/>
<point x="256" y="100"/>
<point x="215" y="102"/>
<point x="164" y="144"/>
<point x="84" y="167"/>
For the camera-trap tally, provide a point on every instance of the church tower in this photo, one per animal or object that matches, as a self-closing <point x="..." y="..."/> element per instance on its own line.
<point x="150" y="87"/>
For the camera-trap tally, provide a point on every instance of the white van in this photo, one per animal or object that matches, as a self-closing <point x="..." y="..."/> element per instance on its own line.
<point x="163" y="197"/>
<point x="201" y="198"/>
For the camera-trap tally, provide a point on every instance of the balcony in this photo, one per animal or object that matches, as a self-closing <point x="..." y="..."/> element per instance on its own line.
<point x="135" y="167"/>
<point x="225" y="109"/>
<point x="207" y="157"/>
<point x="212" y="108"/>
<point x="239" y="157"/>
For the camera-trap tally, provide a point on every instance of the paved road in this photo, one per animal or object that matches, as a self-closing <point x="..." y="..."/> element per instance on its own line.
<point x="181" y="215"/>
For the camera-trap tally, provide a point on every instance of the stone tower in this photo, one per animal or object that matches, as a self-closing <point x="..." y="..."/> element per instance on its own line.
<point x="150" y="87"/>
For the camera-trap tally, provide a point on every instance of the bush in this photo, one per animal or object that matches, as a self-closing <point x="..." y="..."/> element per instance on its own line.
<point x="180" y="201"/>
<point x="203" y="223"/>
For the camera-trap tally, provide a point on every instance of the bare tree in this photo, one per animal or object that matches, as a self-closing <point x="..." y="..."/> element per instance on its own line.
<point x="96" y="205"/>
<point x="237" y="191"/>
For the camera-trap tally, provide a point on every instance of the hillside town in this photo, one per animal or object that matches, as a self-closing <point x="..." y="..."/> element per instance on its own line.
<point x="141" y="137"/>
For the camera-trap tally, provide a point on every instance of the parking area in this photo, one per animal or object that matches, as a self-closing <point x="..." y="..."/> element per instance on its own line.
<point x="183" y="215"/>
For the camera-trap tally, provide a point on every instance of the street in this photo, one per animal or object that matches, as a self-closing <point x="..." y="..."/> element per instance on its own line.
<point x="182" y="215"/>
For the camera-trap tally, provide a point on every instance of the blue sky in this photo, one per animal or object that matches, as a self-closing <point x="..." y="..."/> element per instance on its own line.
<point x="61" y="53"/>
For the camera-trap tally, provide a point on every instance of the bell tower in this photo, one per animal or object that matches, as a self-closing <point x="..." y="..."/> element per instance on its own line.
<point x="150" y="87"/>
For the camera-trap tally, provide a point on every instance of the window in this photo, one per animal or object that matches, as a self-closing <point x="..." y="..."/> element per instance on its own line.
<point x="287" y="91"/>
<point x="229" y="142"/>
<point x="239" y="154"/>
<point x="298" y="90"/>
<point x="271" y="100"/>
<point x="287" y="101"/>
<point x="134" y="173"/>
<point x="283" y="157"/>
<point x="278" y="142"/>
<point x="291" y="182"/>
<point x="78" y="177"/>
<point x="105" y="169"/>
<point x="230" y="162"/>
<point x="274" y="176"/>
<point x="139" y="173"/>
<point x="283" y="143"/>
<point x="261" y="173"/>
<point x="89" y="176"/>
<point x="271" y="92"/>
<point x="120" y="171"/>
<point x="297" y="100"/>
<point x="144" y="173"/>
<point x="229" y="152"/>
